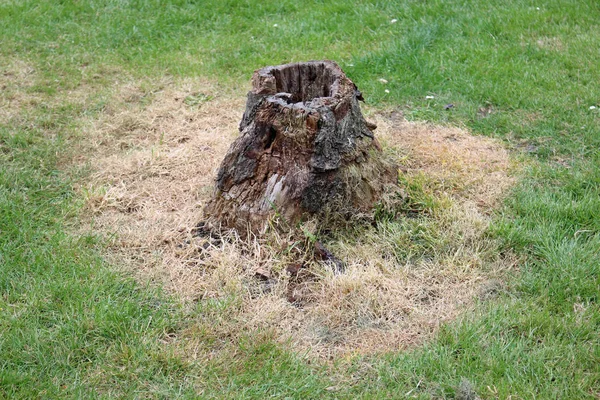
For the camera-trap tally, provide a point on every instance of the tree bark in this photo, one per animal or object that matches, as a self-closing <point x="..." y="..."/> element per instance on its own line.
<point x="305" y="150"/>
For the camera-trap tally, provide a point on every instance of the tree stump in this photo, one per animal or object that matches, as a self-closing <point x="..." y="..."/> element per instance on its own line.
<point x="305" y="149"/>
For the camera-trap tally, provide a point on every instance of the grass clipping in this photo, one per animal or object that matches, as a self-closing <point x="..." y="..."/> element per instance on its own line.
<point x="154" y="153"/>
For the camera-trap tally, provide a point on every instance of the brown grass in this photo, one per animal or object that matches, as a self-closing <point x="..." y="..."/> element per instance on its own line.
<point x="550" y="43"/>
<point x="154" y="157"/>
<point x="16" y="78"/>
<point x="470" y="168"/>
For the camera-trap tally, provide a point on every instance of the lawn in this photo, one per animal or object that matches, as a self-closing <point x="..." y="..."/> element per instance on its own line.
<point x="75" y="324"/>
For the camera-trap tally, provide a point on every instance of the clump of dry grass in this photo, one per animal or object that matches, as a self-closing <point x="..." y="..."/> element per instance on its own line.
<point x="154" y="156"/>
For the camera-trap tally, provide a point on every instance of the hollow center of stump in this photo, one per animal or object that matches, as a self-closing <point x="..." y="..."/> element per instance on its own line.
<point x="304" y="82"/>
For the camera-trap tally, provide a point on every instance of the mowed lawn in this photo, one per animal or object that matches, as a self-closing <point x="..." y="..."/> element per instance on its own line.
<point x="74" y="326"/>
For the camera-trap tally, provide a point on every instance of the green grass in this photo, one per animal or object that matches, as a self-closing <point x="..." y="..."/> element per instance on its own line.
<point x="72" y="326"/>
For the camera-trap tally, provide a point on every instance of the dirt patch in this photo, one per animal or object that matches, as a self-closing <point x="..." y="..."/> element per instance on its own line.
<point x="154" y="153"/>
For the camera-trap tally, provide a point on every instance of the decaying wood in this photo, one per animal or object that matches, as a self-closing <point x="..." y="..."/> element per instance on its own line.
<point x="305" y="149"/>
<point x="324" y="254"/>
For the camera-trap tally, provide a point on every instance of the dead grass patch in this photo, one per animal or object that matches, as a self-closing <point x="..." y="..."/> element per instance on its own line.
<point x="16" y="77"/>
<point x="545" y="42"/>
<point x="154" y="153"/>
<point x="32" y="101"/>
<point x="468" y="168"/>
<point x="550" y="43"/>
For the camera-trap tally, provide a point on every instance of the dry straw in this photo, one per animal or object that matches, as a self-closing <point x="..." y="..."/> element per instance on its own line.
<point x="154" y="154"/>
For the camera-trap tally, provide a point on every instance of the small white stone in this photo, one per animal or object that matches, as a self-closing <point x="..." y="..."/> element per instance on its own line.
<point x="592" y="107"/>
<point x="384" y="81"/>
<point x="537" y="8"/>
<point x="430" y="97"/>
<point x="275" y="25"/>
<point x="393" y="21"/>
<point x="387" y="91"/>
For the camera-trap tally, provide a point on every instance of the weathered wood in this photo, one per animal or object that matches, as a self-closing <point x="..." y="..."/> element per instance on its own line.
<point x="305" y="149"/>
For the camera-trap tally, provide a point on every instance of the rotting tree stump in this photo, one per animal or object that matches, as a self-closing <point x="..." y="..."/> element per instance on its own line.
<point x="305" y="150"/>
